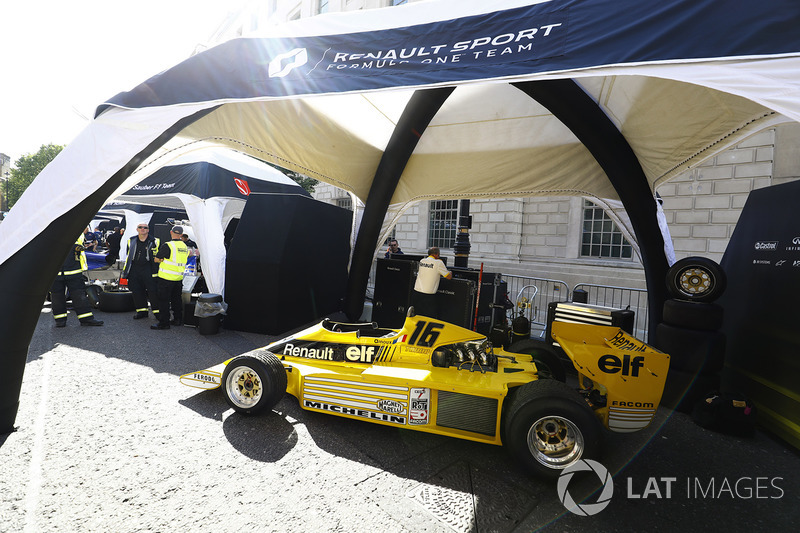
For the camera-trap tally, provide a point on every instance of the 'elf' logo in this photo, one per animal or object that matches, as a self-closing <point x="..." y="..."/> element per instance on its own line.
<point x="627" y="366"/>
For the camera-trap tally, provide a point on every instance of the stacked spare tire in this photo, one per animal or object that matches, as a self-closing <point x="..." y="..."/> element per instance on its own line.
<point x="690" y="331"/>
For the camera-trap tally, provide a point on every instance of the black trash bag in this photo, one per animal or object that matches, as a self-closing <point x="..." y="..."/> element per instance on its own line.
<point x="729" y="413"/>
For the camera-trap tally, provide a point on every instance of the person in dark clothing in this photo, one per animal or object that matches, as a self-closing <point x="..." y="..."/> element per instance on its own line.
<point x="188" y="242"/>
<point x="394" y="248"/>
<point x="114" y="242"/>
<point x="141" y="270"/>
<point x="171" y="259"/>
<point x="71" y="277"/>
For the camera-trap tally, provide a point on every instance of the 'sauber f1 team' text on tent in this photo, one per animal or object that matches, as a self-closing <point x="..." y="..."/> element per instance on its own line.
<point x="212" y="185"/>
<point x="445" y="99"/>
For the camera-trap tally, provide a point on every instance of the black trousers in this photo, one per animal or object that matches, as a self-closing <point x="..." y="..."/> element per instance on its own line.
<point x="425" y="304"/>
<point x="77" y="290"/>
<point x="169" y="294"/>
<point x="144" y="287"/>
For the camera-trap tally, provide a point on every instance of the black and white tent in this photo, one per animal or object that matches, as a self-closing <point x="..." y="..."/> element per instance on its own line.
<point x="212" y="185"/>
<point x="447" y="99"/>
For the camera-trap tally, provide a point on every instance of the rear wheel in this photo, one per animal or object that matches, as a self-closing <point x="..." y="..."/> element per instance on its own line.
<point x="549" y="428"/>
<point x="254" y="382"/>
<point x="547" y="362"/>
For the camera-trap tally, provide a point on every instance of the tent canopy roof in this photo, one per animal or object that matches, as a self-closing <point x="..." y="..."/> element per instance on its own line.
<point x="680" y="80"/>
<point x="209" y="172"/>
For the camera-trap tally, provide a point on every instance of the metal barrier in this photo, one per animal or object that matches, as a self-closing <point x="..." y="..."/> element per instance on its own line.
<point x="621" y="298"/>
<point x="537" y="292"/>
<point x="534" y="295"/>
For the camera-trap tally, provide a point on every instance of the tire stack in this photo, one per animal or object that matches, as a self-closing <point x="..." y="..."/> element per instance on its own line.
<point x="690" y="332"/>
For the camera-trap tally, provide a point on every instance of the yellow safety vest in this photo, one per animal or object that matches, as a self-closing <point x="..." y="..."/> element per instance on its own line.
<point x="171" y="269"/>
<point x="84" y="263"/>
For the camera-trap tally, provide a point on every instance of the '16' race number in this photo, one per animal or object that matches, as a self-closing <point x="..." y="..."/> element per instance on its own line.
<point x="426" y="333"/>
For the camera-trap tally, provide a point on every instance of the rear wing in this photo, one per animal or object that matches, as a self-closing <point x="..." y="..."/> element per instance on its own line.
<point x="627" y="374"/>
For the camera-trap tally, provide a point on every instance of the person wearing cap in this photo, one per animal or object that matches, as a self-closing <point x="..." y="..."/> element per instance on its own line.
<point x="171" y="259"/>
<point x="141" y="270"/>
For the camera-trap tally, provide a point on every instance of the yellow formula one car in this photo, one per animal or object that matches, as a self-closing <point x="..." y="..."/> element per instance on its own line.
<point x="439" y="378"/>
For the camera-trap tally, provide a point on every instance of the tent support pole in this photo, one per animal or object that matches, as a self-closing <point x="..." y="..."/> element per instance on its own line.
<point x="419" y="112"/>
<point x="576" y="110"/>
<point x="26" y="277"/>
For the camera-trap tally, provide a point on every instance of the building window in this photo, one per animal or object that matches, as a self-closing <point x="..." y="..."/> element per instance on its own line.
<point x="345" y="202"/>
<point x="323" y="6"/>
<point x="601" y="236"/>
<point x="442" y="223"/>
<point x="398" y="2"/>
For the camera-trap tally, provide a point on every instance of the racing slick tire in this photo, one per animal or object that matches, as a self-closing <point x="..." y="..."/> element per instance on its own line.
<point x="697" y="279"/>
<point x="547" y="362"/>
<point x="691" y="350"/>
<point x="115" y="301"/>
<point x="254" y="382"/>
<point x="693" y="315"/>
<point x="549" y="427"/>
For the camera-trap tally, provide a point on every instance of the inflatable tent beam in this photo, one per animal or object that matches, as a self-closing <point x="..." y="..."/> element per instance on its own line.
<point x="26" y="277"/>
<point x="419" y="112"/>
<point x="576" y="110"/>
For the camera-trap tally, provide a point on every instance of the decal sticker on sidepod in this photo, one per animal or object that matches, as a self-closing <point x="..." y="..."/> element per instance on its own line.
<point x="419" y="406"/>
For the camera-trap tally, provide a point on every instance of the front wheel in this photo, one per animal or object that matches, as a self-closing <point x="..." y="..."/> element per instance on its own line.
<point x="254" y="382"/>
<point x="549" y="427"/>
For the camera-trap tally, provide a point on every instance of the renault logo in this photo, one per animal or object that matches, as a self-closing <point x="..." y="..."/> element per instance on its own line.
<point x="296" y="58"/>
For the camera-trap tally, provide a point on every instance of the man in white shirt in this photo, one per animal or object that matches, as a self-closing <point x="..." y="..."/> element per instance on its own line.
<point x="431" y="270"/>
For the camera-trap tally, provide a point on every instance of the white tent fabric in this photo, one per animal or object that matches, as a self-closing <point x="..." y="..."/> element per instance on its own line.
<point x="669" y="83"/>
<point x="208" y="216"/>
<point x="488" y="140"/>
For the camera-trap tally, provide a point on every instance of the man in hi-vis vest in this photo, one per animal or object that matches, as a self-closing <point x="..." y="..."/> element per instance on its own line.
<point x="171" y="259"/>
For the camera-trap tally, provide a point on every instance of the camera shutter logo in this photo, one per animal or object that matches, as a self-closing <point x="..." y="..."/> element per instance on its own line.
<point x="586" y="509"/>
<point x="297" y="58"/>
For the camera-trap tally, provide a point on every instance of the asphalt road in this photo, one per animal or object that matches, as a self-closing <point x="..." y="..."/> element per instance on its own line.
<point x="109" y="440"/>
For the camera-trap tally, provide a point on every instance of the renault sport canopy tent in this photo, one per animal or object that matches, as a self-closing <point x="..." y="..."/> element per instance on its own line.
<point x="444" y="99"/>
<point x="212" y="185"/>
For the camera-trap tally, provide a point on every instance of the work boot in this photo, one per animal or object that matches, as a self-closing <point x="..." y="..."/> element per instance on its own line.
<point x="159" y="326"/>
<point x="91" y="322"/>
<point x="176" y="322"/>
<point x="137" y="316"/>
<point x="61" y="323"/>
